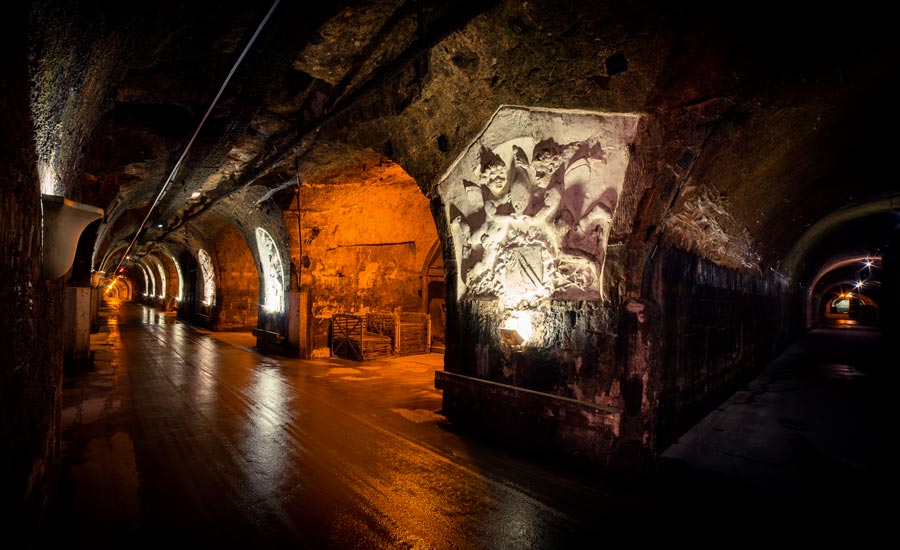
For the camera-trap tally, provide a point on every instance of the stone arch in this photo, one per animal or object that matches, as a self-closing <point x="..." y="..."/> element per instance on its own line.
<point x="238" y="289"/>
<point x="839" y="305"/>
<point x="159" y="274"/>
<point x="816" y="296"/>
<point x="168" y="254"/>
<point x="274" y="285"/>
<point x="208" y="278"/>
<point x="149" y="290"/>
<point x="360" y="229"/>
<point x="243" y="212"/>
<point x="119" y="288"/>
<point x="110" y="258"/>
<point x="434" y="295"/>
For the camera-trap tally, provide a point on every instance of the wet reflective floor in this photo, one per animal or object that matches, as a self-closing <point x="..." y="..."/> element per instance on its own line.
<point x="181" y="436"/>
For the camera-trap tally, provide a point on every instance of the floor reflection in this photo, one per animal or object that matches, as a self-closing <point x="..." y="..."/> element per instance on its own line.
<point x="243" y="449"/>
<point x="264" y="436"/>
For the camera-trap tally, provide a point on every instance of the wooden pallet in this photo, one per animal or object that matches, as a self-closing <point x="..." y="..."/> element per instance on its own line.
<point x="384" y="324"/>
<point x="413" y="334"/>
<point x="351" y="340"/>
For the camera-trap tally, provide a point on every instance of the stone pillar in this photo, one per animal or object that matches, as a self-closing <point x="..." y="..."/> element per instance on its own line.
<point x="298" y="322"/>
<point x="95" y="309"/>
<point x="77" y="325"/>
<point x="305" y="324"/>
<point x="293" y="323"/>
<point x="637" y="430"/>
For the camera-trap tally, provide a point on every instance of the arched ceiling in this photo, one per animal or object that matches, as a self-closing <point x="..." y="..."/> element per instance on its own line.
<point x="758" y="121"/>
<point x="861" y="229"/>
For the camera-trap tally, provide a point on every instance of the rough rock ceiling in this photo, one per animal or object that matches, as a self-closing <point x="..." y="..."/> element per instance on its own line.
<point x="765" y="116"/>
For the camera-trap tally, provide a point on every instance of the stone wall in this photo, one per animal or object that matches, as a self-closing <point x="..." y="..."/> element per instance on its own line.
<point x="717" y="327"/>
<point x="659" y="337"/>
<point x="237" y="286"/>
<point x="30" y="331"/>
<point x="365" y="244"/>
<point x="173" y="282"/>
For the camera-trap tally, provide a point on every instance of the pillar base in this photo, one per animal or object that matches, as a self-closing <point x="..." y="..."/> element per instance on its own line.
<point x="536" y="421"/>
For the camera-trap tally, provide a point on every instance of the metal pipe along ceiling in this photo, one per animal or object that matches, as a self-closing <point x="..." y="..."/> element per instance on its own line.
<point x="168" y="182"/>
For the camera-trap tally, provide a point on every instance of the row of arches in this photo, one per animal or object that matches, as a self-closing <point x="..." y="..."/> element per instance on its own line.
<point x="245" y="263"/>
<point x="212" y="281"/>
<point x="846" y="291"/>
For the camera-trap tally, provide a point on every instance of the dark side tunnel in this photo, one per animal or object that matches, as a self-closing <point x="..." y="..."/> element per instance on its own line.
<point x="598" y="221"/>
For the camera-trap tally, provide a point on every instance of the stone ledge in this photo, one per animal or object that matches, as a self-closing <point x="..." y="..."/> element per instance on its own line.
<point x="443" y="377"/>
<point x="268" y="336"/>
<point x="558" y="425"/>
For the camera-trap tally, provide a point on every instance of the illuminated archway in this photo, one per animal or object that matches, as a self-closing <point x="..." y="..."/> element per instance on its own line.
<point x="119" y="288"/>
<point x="180" y="297"/>
<point x="209" y="278"/>
<point x="363" y="234"/>
<point x="273" y="271"/>
<point x="839" y="304"/>
<point x="150" y="287"/>
<point x="162" y="280"/>
<point x="146" y="280"/>
<point x="813" y="300"/>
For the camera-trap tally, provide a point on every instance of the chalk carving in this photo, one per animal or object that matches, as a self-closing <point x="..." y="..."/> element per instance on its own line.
<point x="530" y="204"/>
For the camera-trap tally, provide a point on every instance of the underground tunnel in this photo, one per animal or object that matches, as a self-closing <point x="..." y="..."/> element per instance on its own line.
<point x="442" y="274"/>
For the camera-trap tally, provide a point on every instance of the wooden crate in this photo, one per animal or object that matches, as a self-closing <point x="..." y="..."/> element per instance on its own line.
<point x="384" y="324"/>
<point x="413" y="334"/>
<point x="351" y="340"/>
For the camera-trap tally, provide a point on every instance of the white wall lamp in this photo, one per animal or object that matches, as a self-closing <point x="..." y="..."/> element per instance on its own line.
<point x="62" y="224"/>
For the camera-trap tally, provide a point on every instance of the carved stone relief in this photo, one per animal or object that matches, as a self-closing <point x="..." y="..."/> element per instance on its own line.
<point x="530" y="203"/>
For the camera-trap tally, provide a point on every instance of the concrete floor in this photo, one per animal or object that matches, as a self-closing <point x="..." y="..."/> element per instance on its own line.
<point x="183" y="436"/>
<point x="806" y="441"/>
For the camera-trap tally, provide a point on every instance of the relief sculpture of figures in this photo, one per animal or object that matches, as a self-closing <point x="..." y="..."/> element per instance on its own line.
<point x="530" y="205"/>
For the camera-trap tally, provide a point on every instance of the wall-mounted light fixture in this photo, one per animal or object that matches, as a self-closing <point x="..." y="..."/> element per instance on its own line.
<point x="517" y="328"/>
<point x="511" y="337"/>
<point x="62" y="223"/>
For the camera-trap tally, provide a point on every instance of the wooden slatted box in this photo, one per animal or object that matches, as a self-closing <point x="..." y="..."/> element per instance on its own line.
<point x="350" y="339"/>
